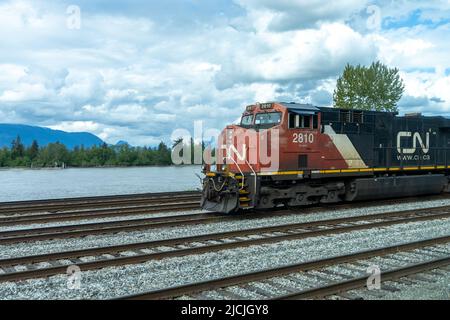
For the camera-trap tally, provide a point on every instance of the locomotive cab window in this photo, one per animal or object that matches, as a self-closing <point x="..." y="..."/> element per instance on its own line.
<point x="268" y="119"/>
<point x="303" y="121"/>
<point x="247" y="120"/>
<point x="315" y="121"/>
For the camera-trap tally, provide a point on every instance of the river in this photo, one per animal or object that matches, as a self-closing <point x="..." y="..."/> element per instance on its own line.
<point x="28" y="184"/>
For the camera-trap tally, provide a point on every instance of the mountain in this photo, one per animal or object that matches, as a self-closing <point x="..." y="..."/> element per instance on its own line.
<point x="122" y="143"/>
<point x="44" y="136"/>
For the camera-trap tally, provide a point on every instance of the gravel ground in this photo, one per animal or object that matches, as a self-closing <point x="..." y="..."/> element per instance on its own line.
<point x="113" y="282"/>
<point x="41" y="247"/>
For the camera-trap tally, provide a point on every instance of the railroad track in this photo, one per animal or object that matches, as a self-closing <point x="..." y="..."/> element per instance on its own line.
<point x="177" y="202"/>
<point x="86" y="229"/>
<point x="317" y="279"/>
<point x="57" y="205"/>
<point x="20" y="268"/>
<point x="22" y="235"/>
<point x="342" y="289"/>
<point x="177" y="205"/>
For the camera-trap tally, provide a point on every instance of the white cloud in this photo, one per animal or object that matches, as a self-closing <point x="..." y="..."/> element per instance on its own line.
<point x="25" y="92"/>
<point x="430" y="91"/>
<point x="11" y="73"/>
<point x="81" y="86"/>
<point x="77" y="126"/>
<point x="283" y="15"/>
<point x="297" y="55"/>
<point x="18" y="84"/>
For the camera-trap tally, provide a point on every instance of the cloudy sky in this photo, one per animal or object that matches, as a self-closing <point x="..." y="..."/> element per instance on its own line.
<point x="136" y="70"/>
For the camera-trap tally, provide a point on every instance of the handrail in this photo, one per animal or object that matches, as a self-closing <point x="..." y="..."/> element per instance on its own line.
<point x="256" y="180"/>
<point x="239" y="168"/>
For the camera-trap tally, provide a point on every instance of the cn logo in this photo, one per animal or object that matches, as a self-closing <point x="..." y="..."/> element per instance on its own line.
<point x="417" y="139"/>
<point x="231" y="150"/>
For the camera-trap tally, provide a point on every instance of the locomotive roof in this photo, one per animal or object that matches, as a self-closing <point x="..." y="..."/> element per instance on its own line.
<point x="299" y="106"/>
<point x="309" y="107"/>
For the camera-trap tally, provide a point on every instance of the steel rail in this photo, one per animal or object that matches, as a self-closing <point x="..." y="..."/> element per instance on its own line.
<point x="86" y="229"/>
<point x="208" y="285"/>
<point x="91" y="202"/>
<point x="360" y="282"/>
<point x="79" y="230"/>
<point x="98" y="213"/>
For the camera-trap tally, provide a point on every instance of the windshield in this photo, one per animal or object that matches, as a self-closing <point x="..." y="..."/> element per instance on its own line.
<point x="247" y="120"/>
<point x="269" y="118"/>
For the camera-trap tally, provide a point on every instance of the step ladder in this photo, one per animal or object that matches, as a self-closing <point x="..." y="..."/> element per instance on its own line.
<point x="244" y="200"/>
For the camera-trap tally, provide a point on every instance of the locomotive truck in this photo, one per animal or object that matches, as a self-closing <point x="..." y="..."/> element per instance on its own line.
<point x="291" y="154"/>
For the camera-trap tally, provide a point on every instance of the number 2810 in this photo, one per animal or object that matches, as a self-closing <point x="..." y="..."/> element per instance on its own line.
<point x="303" y="138"/>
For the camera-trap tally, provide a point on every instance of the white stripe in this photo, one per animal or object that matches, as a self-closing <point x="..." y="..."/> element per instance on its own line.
<point x="346" y="148"/>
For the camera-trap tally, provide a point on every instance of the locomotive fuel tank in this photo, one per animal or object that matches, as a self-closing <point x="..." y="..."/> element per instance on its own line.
<point x="395" y="187"/>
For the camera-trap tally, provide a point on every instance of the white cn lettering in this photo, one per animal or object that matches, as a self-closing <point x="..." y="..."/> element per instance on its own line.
<point x="231" y="150"/>
<point x="417" y="139"/>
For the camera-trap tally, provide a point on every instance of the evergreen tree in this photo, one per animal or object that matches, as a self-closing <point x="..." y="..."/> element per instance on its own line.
<point x="17" y="148"/>
<point x="163" y="155"/>
<point x="33" y="150"/>
<point x="5" y="157"/>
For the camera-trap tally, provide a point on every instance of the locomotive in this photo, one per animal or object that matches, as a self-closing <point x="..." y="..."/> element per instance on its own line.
<point x="291" y="154"/>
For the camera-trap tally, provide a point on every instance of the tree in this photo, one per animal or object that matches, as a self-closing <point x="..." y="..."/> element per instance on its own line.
<point x="163" y="155"/>
<point x="377" y="87"/>
<point x="5" y="157"/>
<point x="33" y="150"/>
<point x="17" y="148"/>
<point x="54" y="154"/>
